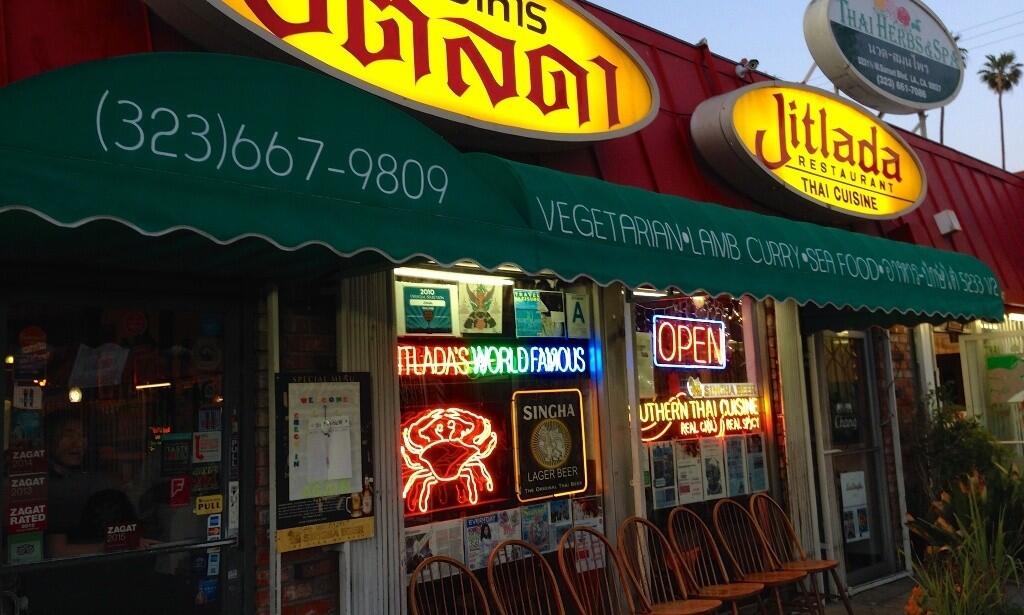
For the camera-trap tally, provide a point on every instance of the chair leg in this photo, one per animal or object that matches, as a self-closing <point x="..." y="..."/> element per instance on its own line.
<point x="735" y="608"/>
<point x="819" y="606"/>
<point x="841" y="590"/>
<point x="760" y="604"/>
<point x="778" y="601"/>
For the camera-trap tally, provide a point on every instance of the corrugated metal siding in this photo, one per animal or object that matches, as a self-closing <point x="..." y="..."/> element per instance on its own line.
<point x="366" y="342"/>
<point x="42" y="35"/>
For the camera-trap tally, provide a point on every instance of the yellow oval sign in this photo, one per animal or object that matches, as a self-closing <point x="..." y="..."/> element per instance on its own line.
<point x="535" y="68"/>
<point x="819" y="147"/>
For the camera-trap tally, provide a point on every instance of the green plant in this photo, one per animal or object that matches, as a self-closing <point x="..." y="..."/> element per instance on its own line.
<point x="970" y="573"/>
<point x="995" y="499"/>
<point x="948" y="446"/>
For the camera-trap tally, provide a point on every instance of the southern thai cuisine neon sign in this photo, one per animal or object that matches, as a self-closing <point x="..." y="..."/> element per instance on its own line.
<point x="689" y="343"/>
<point x="446" y="446"/>
<point x="477" y="361"/>
<point x="702" y="411"/>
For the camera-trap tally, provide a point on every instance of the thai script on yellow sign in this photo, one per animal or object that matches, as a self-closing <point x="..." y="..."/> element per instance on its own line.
<point x="829" y="151"/>
<point x="538" y="68"/>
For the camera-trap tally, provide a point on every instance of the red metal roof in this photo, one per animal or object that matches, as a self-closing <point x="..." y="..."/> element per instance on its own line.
<point x="45" y="34"/>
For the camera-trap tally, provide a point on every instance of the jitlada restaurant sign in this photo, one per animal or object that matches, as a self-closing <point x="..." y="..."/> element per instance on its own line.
<point x="789" y="145"/>
<point x="541" y="69"/>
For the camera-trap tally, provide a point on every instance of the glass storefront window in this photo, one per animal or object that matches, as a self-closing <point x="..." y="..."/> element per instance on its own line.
<point x="114" y="435"/>
<point x="701" y="422"/>
<point x="498" y="437"/>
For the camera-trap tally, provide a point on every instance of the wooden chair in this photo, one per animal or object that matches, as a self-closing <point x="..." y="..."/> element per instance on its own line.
<point x="655" y="570"/>
<point x="522" y="582"/>
<point x="785" y="545"/>
<point x="702" y="560"/>
<point x="444" y="586"/>
<point x="590" y="571"/>
<point x="750" y="556"/>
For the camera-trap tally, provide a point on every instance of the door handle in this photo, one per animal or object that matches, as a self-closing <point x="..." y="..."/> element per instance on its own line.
<point x="833" y="451"/>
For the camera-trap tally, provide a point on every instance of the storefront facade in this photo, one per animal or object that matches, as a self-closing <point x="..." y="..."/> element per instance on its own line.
<point x="225" y="278"/>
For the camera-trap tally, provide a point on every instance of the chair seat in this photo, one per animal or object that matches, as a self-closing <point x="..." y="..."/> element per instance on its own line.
<point x="811" y="565"/>
<point x="730" y="592"/>
<point x="686" y="607"/>
<point x="775" y="578"/>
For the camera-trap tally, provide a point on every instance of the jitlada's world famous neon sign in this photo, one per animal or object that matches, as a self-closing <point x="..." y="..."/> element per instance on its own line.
<point x="481" y="360"/>
<point x="537" y="68"/>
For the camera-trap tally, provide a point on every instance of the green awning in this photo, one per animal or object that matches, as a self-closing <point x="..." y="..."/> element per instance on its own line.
<point x="235" y="164"/>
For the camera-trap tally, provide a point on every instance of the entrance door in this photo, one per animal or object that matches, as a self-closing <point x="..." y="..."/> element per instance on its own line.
<point x="855" y="507"/>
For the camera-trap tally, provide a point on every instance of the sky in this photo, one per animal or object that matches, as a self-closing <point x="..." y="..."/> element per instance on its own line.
<point x="772" y="32"/>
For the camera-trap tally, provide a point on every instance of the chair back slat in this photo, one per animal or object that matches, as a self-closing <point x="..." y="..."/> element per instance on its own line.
<point x="696" y="548"/>
<point x="444" y="586"/>
<point x="650" y="562"/>
<point x="591" y="572"/>
<point x="742" y="540"/>
<point x="777" y="528"/>
<point x="521" y="581"/>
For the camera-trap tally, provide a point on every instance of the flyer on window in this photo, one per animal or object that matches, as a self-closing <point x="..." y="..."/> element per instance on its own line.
<point x="443" y="538"/>
<point x="480" y="308"/>
<point x="324" y="459"/>
<point x="853" y="494"/>
<point x="663" y="475"/>
<point x="689" y="481"/>
<point x="426" y="309"/>
<point x="539" y="313"/>
<point x="485" y="532"/>
<point x="712" y="454"/>
<point x="757" y="471"/>
<point x="735" y="466"/>
<point x="536" y="520"/>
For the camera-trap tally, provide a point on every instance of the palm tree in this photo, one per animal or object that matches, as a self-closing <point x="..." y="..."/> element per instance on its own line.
<point x="942" y="110"/>
<point x="1001" y="73"/>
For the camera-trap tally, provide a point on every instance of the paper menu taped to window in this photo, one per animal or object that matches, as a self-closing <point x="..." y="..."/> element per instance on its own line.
<point x="324" y="443"/>
<point x="329" y="449"/>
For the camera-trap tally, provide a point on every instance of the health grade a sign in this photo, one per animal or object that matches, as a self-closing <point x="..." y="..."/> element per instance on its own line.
<point x="542" y="69"/>
<point x="791" y="146"/>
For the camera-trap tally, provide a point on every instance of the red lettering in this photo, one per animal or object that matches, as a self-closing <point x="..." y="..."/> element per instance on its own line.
<point x="392" y="47"/>
<point x="497" y="91"/>
<point x="536" y="59"/>
<point x="280" y="28"/>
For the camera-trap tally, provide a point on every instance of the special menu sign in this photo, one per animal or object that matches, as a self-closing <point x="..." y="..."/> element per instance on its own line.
<point x="550" y="443"/>
<point x="893" y="55"/>
<point x="541" y="69"/>
<point x="809" y="153"/>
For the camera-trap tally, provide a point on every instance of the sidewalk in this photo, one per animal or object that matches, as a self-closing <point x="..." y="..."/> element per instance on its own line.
<point x="885" y="600"/>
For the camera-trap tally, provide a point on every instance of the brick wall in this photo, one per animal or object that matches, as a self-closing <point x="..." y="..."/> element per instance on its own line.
<point x="778" y="421"/>
<point x="309" y="579"/>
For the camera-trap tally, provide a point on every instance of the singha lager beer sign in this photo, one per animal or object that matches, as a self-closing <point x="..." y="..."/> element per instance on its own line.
<point x="893" y="55"/>
<point x="550" y="443"/>
<point x="809" y="153"/>
<point x="542" y="69"/>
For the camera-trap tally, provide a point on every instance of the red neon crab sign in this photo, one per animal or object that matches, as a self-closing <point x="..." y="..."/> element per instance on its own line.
<point x="446" y="446"/>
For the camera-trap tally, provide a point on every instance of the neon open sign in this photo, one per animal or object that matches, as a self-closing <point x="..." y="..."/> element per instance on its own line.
<point x="689" y="343"/>
<point x="477" y="361"/>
